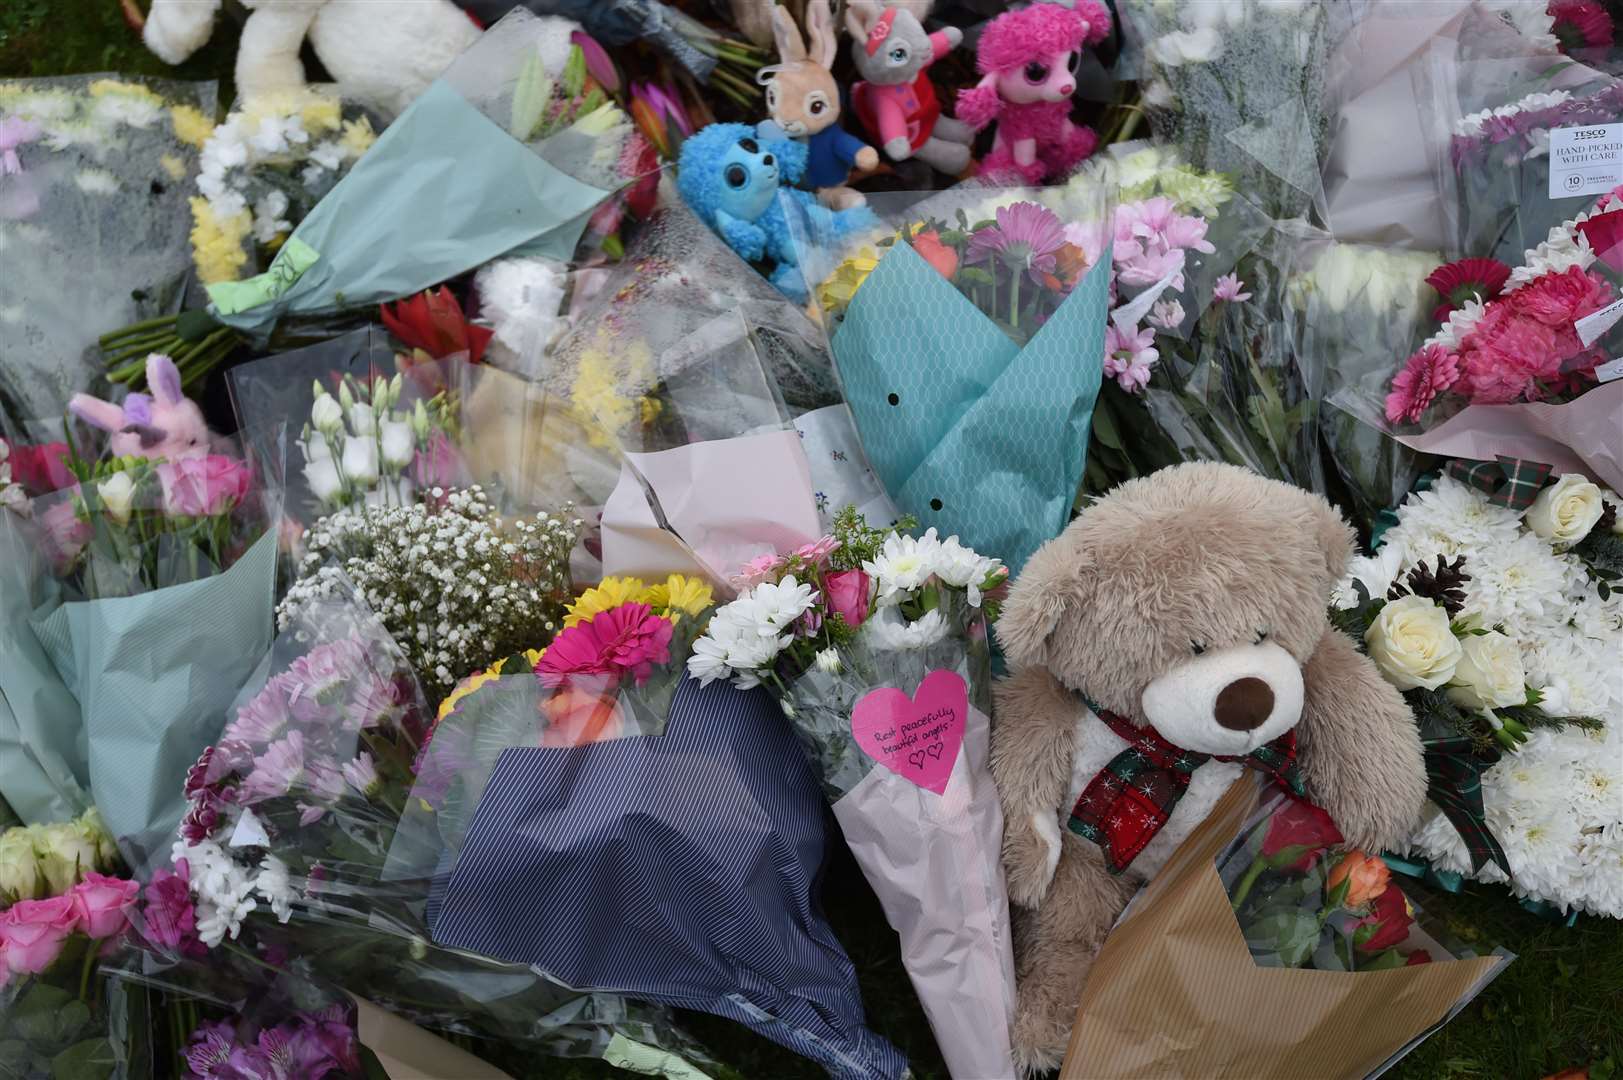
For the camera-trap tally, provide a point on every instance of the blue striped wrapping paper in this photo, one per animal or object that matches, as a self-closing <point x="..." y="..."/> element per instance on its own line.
<point x="676" y="868"/>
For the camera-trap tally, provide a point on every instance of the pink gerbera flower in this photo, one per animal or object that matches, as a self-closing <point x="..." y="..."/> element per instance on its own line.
<point x="1428" y="373"/>
<point x="1580" y="24"/>
<point x="1466" y="279"/>
<point x="1227" y="288"/>
<point x="629" y="639"/>
<point x="1027" y="236"/>
<point x="1129" y="356"/>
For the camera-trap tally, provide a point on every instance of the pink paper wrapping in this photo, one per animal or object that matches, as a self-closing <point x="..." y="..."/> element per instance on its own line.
<point x="1582" y="436"/>
<point x="936" y="864"/>
<point x="726" y="501"/>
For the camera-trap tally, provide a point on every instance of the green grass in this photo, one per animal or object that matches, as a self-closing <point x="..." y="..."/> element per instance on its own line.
<point x="1560" y="1004"/>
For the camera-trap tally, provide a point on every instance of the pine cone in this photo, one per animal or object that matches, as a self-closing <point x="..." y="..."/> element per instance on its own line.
<point x="1608" y="518"/>
<point x="1443" y="585"/>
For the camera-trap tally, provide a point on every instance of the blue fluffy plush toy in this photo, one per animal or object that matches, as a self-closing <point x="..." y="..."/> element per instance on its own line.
<point x="731" y="177"/>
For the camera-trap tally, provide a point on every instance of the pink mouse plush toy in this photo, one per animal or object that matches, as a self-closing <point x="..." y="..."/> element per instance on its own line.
<point x="1028" y="59"/>
<point x="165" y="425"/>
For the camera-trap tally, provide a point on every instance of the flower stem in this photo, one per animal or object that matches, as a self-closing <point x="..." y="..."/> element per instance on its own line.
<point x="134" y="329"/>
<point x="84" y="970"/>
<point x="1243" y="888"/>
<point x="1014" y="300"/>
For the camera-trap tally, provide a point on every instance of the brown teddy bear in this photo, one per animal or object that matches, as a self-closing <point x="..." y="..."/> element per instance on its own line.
<point x="1173" y="635"/>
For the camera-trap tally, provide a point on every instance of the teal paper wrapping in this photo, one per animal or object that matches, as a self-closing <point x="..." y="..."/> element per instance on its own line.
<point x="971" y="433"/>
<point x="154" y="675"/>
<point x="443" y="190"/>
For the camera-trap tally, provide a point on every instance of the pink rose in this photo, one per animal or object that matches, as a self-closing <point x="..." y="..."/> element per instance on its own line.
<point x="32" y="932"/>
<point x="847" y="595"/>
<point x="63" y="533"/>
<point x="102" y="903"/>
<point x="203" y="487"/>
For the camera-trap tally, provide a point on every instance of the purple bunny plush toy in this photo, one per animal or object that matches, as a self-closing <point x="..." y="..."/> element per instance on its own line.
<point x="165" y="424"/>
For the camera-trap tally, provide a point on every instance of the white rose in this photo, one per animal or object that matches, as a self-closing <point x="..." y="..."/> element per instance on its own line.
<point x="399" y="444"/>
<point x="361" y="461"/>
<point x="1566" y="510"/>
<point x="326" y="414"/>
<point x="19" y="869"/>
<point x="117" y="494"/>
<point x="1410" y="641"/>
<point x="64" y="855"/>
<point x="1490" y="673"/>
<point x="322" y="476"/>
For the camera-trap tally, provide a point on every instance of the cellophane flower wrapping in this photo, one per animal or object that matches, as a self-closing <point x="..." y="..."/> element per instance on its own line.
<point x="292" y="815"/>
<point x="98" y="201"/>
<point x="967" y="327"/>
<point x="1237" y="87"/>
<point x="138" y="566"/>
<point x="875" y="645"/>
<point x="1354" y="307"/>
<point x="1489" y="123"/>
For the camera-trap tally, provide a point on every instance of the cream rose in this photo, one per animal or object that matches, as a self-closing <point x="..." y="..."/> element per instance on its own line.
<point x="19" y="869"/>
<point x="1410" y="641"/>
<point x="1490" y="673"/>
<point x="1566" y="510"/>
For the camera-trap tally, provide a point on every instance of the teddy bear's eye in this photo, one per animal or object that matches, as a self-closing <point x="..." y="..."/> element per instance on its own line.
<point x="736" y="176"/>
<point x="1196" y="647"/>
<point x="1035" y="72"/>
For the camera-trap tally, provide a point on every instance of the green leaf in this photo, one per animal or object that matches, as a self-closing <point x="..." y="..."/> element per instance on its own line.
<point x="1389" y="959"/>
<point x="13" y="1059"/>
<point x="35" y="1012"/>
<point x="1293" y="934"/>
<point x="1104" y="429"/>
<point x="371" y="1066"/>
<point x="575" y="72"/>
<point x="1338" y="895"/>
<point x="92" y="1059"/>
<point x="532" y="94"/>
<point x="974" y="275"/>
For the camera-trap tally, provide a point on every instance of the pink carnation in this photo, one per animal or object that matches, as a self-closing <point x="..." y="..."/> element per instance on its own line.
<point x="102" y="903"/>
<point x="1428" y="373"/>
<point x="1557" y="300"/>
<point x="629" y="639"/>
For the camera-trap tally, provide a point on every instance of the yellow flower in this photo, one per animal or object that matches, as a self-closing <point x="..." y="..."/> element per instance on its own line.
<point x="839" y="287"/>
<point x="191" y="126"/>
<point x="480" y="678"/>
<point x="320" y="114"/>
<point x="651" y="408"/>
<point x="217" y="246"/>
<point x="114" y="86"/>
<point x="679" y="595"/>
<point x="611" y="592"/>
<point x="609" y="371"/>
<point x="358" y="136"/>
<point x="172" y="165"/>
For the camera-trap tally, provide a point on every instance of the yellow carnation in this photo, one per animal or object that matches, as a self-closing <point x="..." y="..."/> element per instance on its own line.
<point x="358" y="136"/>
<point x="218" y="246"/>
<point x="191" y="126"/>
<point x="320" y="114"/>
<point x="609" y="593"/>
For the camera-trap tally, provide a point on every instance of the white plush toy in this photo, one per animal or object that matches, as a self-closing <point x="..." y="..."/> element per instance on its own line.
<point x="381" y="53"/>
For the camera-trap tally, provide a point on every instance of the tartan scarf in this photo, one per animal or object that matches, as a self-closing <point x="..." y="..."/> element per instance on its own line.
<point x="1129" y="800"/>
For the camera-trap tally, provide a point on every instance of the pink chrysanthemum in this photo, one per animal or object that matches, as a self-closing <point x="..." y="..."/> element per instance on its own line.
<point x="1466" y="279"/>
<point x="1228" y="289"/>
<point x="629" y="639"/>
<point x="1027" y="236"/>
<point x="1428" y="373"/>
<point x="1580" y="24"/>
<point x="1130" y="356"/>
<point x="758" y="570"/>
<point x="817" y="552"/>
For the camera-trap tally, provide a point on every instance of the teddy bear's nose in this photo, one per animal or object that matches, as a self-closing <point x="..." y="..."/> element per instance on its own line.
<point x="1244" y="704"/>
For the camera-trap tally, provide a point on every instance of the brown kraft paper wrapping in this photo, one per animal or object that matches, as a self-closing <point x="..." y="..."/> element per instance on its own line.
<point x="407" y="1052"/>
<point x="1175" y="993"/>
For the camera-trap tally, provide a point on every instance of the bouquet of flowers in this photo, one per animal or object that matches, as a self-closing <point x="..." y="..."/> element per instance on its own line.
<point x="457" y="585"/>
<point x="1538" y="333"/>
<point x="1237" y="87"/>
<point x="968" y="331"/>
<point x="62" y="906"/>
<point x="1501" y="627"/>
<point x="93" y="220"/>
<point x="874" y="643"/>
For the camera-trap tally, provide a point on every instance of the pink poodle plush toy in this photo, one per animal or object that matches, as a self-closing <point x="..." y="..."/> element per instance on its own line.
<point x="1028" y="59"/>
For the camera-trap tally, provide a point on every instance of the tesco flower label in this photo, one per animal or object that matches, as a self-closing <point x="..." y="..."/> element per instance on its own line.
<point x="1585" y="160"/>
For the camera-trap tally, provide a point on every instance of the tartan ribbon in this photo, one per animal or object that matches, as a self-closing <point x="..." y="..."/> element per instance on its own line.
<point x="1130" y="799"/>
<point x="1510" y="482"/>
<point x="1454" y="783"/>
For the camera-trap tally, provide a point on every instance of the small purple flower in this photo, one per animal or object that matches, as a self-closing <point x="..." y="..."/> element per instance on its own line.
<point x="1227" y="288"/>
<point x="210" y="1050"/>
<point x="199" y="823"/>
<point x="276" y="770"/>
<point x="362" y="774"/>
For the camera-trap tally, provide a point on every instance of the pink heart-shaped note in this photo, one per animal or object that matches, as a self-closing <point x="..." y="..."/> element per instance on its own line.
<point x="917" y="737"/>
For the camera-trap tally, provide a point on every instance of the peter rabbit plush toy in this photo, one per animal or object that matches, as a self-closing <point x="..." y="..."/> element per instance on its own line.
<point x="804" y="101"/>
<point x="895" y="100"/>
<point x="165" y="425"/>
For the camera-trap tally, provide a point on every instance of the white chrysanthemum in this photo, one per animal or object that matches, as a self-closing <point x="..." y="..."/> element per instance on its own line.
<point x="1451" y="519"/>
<point x="1519" y="585"/>
<point x="1376" y="572"/>
<point x="1473" y="124"/>
<point x="772" y="607"/>
<point x="523" y="299"/>
<point x="888" y="629"/>
<point x="903" y="564"/>
<point x="962" y="568"/>
<point x="272" y="883"/>
<point x="130" y="110"/>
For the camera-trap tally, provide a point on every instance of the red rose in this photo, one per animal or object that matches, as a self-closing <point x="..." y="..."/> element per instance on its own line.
<point x="1386" y="925"/>
<point x="1419" y="956"/>
<point x="1297" y="833"/>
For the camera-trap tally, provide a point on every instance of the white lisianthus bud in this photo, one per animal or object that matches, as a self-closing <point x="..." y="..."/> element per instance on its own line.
<point x="326" y="414"/>
<point x="117" y="493"/>
<point x="322" y="476"/>
<point x="1412" y="643"/>
<point x="361" y="461"/>
<point x="346" y="397"/>
<point x="419" y="420"/>
<point x="1490" y="674"/>
<point x="1565" y="511"/>
<point x="399" y="444"/>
